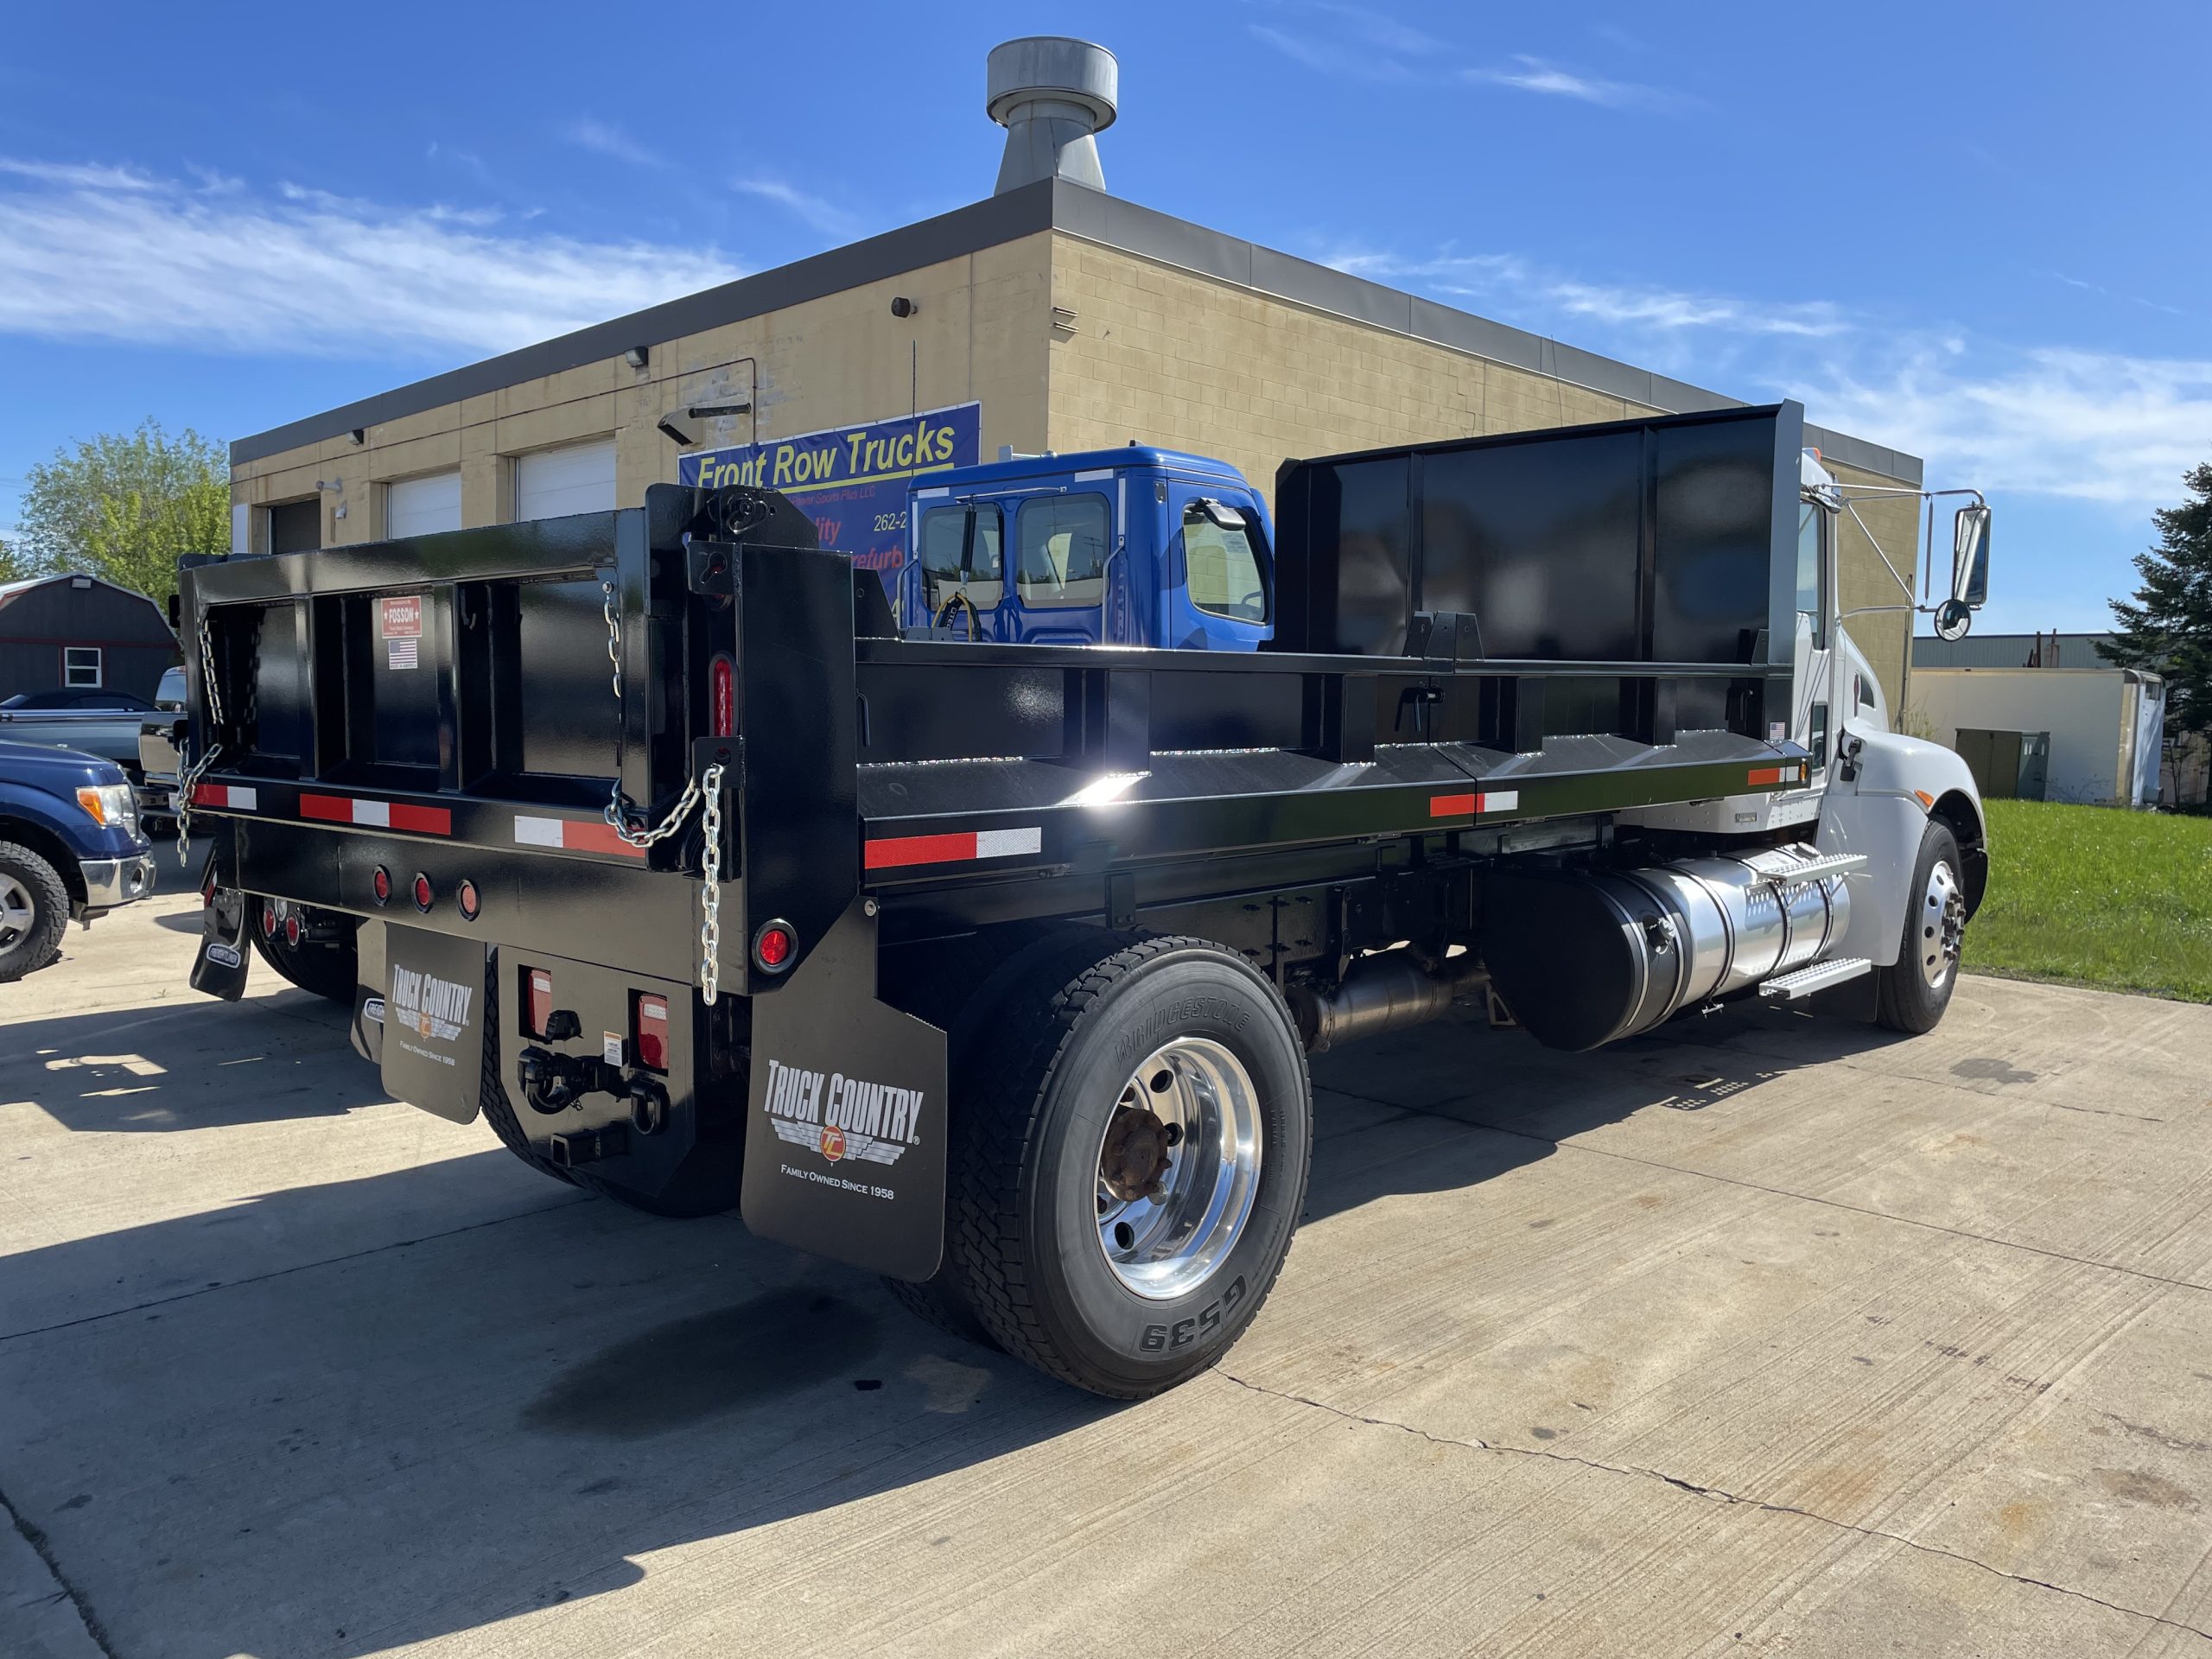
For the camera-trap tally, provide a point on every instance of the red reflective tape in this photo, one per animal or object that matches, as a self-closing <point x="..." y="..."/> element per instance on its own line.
<point x="1773" y="775"/>
<point x="896" y="851"/>
<point x="579" y="837"/>
<point x="332" y="809"/>
<point x="421" y="820"/>
<point x="1450" y="806"/>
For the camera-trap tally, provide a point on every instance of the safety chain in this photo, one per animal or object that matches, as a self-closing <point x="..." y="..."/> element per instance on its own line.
<point x="613" y="633"/>
<point x="618" y="812"/>
<point x="710" y="894"/>
<point x="189" y="773"/>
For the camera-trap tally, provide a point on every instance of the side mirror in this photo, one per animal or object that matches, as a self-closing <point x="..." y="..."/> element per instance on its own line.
<point x="1970" y="557"/>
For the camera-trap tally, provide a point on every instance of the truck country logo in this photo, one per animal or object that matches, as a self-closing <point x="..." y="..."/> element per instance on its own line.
<point x="429" y="1006"/>
<point x="842" y="1117"/>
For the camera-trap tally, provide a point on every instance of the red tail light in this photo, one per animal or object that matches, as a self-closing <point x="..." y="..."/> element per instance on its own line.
<point x="723" y="680"/>
<point x="422" y="893"/>
<point x="269" y="919"/>
<point x="538" y="1013"/>
<point x="292" y="929"/>
<point x="380" y="885"/>
<point x="649" y="1031"/>
<point x="772" y="946"/>
<point x="469" y="900"/>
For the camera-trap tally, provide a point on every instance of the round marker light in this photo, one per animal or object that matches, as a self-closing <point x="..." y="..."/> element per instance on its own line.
<point x="467" y="897"/>
<point x="269" y="919"/>
<point x="422" y="892"/>
<point x="380" y="885"/>
<point x="773" y="946"/>
<point x="292" y="929"/>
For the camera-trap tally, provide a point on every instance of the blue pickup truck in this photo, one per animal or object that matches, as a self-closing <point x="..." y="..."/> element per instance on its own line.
<point x="70" y="848"/>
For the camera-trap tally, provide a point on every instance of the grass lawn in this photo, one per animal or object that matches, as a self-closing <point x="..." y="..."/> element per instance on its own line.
<point x="2093" y="895"/>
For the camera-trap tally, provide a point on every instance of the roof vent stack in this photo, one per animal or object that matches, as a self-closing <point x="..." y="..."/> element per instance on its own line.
<point x="1052" y="95"/>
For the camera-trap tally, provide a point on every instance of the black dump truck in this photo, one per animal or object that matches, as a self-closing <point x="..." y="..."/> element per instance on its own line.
<point x="994" y="969"/>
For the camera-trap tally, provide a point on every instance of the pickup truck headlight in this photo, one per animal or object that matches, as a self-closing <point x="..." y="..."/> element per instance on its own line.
<point x="111" y="804"/>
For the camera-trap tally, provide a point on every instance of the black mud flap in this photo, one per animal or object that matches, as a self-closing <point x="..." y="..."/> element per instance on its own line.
<point x="219" y="969"/>
<point x="845" y="1126"/>
<point x="367" y="1031"/>
<point x="433" y="1028"/>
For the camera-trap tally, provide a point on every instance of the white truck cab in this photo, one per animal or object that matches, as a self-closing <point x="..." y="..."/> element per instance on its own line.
<point x="1908" y="808"/>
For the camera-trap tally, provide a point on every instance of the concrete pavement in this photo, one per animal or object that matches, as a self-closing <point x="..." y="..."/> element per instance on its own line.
<point x="1774" y="1333"/>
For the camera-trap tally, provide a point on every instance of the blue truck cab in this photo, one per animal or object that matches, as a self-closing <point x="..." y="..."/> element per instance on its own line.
<point x="1122" y="547"/>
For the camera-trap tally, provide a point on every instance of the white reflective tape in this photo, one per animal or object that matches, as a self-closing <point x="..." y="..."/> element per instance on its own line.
<point x="241" y="800"/>
<point x="1502" y="800"/>
<point x="928" y="495"/>
<point x="1006" y="843"/>
<point x="377" y="814"/>
<point x="1093" y="476"/>
<point x="538" y="832"/>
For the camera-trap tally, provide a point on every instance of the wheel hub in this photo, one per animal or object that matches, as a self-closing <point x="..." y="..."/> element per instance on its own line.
<point x="15" y="911"/>
<point x="1179" y="1168"/>
<point x="1942" y="926"/>
<point x="1136" y="1154"/>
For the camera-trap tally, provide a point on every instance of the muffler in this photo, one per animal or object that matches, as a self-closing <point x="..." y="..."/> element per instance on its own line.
<point x="1388" y="992"/>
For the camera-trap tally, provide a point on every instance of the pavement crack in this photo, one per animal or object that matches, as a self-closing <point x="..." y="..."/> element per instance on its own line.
<point x="285" y="1273"/>
<point x="1710" y="1494"/>
<point x="65" y="1590"/>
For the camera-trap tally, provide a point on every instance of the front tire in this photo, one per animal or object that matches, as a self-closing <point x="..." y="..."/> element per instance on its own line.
<point x="1912" y="996"/>
<point x="33" y="912"/>
<point x="1129" y="1161"/>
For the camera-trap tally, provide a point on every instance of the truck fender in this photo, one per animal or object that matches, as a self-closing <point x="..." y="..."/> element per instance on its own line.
<point x="33" y="818"/>
<point x="1883" y="788"/>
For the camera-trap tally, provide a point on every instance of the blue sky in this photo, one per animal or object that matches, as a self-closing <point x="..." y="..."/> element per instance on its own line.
<point x="1975" y="234"/>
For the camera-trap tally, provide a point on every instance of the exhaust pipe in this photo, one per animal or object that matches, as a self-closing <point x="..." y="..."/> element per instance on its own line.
<point x="1381" y="994"/>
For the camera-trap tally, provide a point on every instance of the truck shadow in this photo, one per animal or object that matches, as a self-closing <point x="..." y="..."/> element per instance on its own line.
<point x="190" y="1064"/>
<point x="373" y="1412"/>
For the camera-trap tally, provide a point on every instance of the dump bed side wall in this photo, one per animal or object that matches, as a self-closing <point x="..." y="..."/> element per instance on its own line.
<point x="1671" y="540"/>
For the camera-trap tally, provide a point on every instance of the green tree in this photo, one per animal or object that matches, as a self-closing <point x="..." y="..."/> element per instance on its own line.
<point x="13" y="566"/>
<point x="122" y="506"/>
<point x="2167" y="627"/>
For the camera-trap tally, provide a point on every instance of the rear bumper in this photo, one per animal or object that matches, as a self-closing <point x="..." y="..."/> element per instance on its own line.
<point x="113" y="881"/>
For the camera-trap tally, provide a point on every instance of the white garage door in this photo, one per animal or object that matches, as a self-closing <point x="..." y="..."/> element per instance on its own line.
<point x="576" y="478"/>
<point x="422" y="506"/>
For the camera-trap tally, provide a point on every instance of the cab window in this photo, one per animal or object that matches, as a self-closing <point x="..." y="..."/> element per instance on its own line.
<point x="1221" y="566"/>
<point x="961" y="554"/>
<point x="1063" y="540"/>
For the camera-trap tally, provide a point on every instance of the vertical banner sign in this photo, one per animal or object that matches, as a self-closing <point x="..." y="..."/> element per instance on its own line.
<point x="851" y="480"/>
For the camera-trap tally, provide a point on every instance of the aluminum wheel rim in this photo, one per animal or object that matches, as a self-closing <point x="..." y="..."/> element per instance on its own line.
<point x="17" y="915"/>
<point x="1942" y="924"/>
<point x="1168" y="1242"/>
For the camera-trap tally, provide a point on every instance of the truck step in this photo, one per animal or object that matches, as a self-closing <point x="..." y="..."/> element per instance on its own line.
<point x="1814" y="869"/>
<point x="1789" y="987"/>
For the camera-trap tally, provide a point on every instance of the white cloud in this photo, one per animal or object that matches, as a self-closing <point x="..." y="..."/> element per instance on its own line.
<point x="1535" y="75"/>
<point x="608" y="139"/>
<point x="2093" y="426"/>
<point x="84" y="175"/>
<point x="809" y="210"/>
<point x="102" y="252"/>
<point x="1537" y="298"/>
<point x="2048" y="420"/>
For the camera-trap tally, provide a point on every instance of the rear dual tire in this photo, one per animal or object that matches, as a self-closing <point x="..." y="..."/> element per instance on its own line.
<point x="1106" y="1042"/>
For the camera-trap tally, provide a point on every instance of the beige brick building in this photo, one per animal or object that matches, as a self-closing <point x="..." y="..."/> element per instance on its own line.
<point x="1076" y="320"/>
